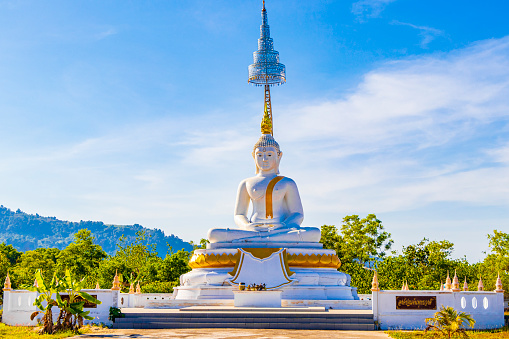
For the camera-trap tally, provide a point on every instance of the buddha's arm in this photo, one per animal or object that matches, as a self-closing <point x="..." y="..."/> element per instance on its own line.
<point x="292" y="199"/>
<point x="242" y="206"/>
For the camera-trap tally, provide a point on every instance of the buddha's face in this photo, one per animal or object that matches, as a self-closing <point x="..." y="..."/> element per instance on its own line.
<point x="267" y="159"/>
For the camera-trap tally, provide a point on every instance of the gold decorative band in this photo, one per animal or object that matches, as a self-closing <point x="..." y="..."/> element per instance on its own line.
<point x="205" y="260"/>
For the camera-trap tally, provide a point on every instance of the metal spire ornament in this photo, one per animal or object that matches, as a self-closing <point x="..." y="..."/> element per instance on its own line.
<point x="266" y="70"/>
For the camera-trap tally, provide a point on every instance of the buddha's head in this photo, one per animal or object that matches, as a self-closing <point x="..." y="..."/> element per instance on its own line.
<point x="267" y="154"/>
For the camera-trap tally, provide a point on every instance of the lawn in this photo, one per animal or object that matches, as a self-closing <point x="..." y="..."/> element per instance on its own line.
<point x="489" y="334"/>
<point x="23" y="332"/>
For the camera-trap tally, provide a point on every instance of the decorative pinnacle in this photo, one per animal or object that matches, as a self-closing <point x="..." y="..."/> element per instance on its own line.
<point x="97" y="287"/>
<point x="455" y="283"/>
<point x="441" y="286"/>
<point x="448" y="284"/>
<point x="498" y="285"/>
<point x="7" y="284"/>
<point x="138" y="288"/>
<point x="480" y="286"/>
<point x="116" y="282"/>
<point x="266" y="69"/>
<point x="374" y="283"/>
<point x="465" y="285"/>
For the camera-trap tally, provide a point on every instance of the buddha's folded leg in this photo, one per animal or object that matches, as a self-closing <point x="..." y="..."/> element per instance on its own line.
<point x="228" y="235"/>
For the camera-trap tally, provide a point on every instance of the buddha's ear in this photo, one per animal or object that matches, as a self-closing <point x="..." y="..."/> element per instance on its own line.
<point x="280" y="155"/>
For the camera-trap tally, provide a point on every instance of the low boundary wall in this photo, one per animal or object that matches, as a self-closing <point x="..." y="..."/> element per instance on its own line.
<point x="398" y="309"/>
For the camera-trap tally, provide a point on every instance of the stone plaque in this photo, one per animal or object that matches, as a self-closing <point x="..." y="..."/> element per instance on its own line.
<point x="415" y="302"/>
<point x="80" y="299"/>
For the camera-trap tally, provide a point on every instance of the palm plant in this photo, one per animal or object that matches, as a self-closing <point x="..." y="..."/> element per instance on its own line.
<point x="448" y="322"/>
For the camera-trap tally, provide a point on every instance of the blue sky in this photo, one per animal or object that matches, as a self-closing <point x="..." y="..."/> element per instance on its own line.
<point x="140" y="112"/>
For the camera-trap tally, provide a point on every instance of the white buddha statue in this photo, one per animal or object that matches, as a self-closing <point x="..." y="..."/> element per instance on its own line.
<point x="277" y="209"/>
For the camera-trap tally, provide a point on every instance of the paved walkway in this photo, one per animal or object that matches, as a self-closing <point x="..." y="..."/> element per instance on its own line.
<point x="220" y="333"/>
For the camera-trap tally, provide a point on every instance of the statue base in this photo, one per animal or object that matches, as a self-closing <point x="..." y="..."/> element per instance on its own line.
<point x="315" y="274"/>
<point x="258" y="244"/>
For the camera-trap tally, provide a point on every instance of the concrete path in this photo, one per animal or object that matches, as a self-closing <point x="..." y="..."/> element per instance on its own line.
<point x="219" y="333"/>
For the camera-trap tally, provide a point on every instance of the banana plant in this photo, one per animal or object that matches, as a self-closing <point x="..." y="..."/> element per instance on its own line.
<point x="44" y="301"/>
<point x="71" y="313"/>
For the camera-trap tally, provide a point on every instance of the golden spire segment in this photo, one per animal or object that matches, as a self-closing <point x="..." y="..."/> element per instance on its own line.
<point x="267" y="113"/>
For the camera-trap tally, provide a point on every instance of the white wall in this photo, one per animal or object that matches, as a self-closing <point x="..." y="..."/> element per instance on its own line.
<point x="18" y="306"/>
<point x="488" y="311"/>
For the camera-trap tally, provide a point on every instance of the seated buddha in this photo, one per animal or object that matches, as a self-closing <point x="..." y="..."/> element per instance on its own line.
<point x="276" y="205"/>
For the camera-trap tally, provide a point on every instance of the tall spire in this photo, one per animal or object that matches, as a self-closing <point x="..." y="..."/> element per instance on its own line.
<point x="266" y="69"/>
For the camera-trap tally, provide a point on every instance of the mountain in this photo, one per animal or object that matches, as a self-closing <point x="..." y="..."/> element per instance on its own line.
<point x="27" y="232"/>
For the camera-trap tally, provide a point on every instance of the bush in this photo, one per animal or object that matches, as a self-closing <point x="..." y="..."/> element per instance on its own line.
<point x="158" y="287"/>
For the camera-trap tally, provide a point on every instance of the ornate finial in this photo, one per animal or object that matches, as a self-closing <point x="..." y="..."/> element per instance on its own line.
<point x="97" y="287"/>
<point x="406" y="286"/>
<point x="403" y="286"/>
<point x="7" y="284"/>
<point x="448" y="284"/>
<point x="138" y="288"/>
<point x="374" y="283"/>
<point x="263" y="4"/>
<point x="455" y="283"/>
<point x="498" y="285"/>
<point x="480" y="286"/>
<point x="266" y="122"/>
<point x="116" y="282"/>
<point x="465" y="285"/>
<point x="35" y="283"/>
<point x="131" y="289"/>
<point x="441" y="286"/>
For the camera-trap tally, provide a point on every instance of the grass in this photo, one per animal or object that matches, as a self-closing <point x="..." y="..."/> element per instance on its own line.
<point x="26" y="332"/>
<point x="502" y="333"/>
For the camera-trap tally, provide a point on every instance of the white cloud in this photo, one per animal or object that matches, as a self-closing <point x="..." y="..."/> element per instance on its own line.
<point x="428" y="34"/>
<point x="365" y="9"/>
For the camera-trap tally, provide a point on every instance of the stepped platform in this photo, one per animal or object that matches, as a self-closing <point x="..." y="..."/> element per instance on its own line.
<point x="305" y="318"/>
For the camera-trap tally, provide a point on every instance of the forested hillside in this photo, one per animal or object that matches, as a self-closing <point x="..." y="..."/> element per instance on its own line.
<point x="28" y="232"/>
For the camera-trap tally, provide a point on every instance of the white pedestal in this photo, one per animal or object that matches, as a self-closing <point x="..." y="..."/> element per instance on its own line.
<point x="257" y="298"/>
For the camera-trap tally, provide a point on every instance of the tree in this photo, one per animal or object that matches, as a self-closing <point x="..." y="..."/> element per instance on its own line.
<point x="360" y="240"/>
<point x="82" y="257"/>
<point x="497" y="261"/>
<point x="364" y="240"/>
<point x="30" y="261"/>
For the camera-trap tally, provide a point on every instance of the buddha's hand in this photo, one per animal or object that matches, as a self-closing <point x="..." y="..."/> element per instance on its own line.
<point x="263" y="226"/>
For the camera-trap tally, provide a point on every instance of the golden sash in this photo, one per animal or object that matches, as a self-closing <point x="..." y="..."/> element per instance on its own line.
<point x="268" y="196"/>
